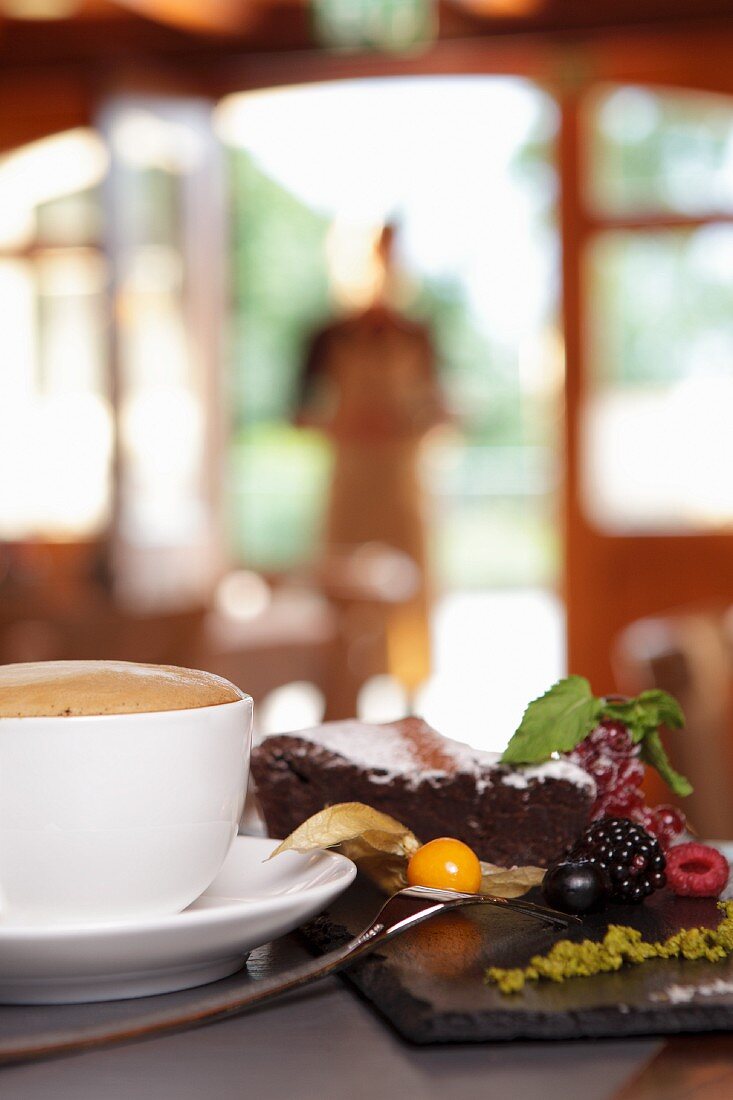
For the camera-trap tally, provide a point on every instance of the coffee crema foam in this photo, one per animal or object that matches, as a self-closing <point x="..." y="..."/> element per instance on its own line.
<point x="48" y="689"/>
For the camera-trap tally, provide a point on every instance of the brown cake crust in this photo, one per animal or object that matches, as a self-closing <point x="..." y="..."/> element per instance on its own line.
<point x="435" y="786"/>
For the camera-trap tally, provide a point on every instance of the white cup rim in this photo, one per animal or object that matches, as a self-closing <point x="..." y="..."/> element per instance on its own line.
<point x="112" y="719"/>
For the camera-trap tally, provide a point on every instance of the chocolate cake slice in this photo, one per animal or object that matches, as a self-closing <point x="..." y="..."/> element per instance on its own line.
<point x="435" y="786"/>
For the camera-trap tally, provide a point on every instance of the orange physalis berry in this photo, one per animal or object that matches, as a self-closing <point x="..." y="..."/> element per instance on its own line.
<point x="445" y="864"/>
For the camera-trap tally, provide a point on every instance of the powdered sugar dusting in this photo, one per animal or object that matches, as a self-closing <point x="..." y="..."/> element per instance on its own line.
<point x="412" y="750"/>
<point x="551" y="769"/>
<point x="367" y="746"/>
<point x="682" y="994"/>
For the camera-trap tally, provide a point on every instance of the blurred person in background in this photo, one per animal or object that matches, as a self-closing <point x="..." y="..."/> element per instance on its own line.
<point x="370" y="383"/>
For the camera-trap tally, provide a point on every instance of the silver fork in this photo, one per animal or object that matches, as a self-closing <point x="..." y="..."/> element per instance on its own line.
<point x="405" y="909"/>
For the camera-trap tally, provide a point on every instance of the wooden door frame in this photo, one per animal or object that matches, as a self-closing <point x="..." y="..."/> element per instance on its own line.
<point x="667" y="569"/>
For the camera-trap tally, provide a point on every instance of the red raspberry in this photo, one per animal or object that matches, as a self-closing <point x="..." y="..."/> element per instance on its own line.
<point x="696" y="871"/>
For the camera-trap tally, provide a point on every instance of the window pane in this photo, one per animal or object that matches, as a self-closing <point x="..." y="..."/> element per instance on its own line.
<point x="71" y="219"/>
<point x="55" y="419"/>
<point x="655" y="150"/>
<point x="49" y="190"/>
<point x="658" y="445"/>
<point x="17" y="400"/>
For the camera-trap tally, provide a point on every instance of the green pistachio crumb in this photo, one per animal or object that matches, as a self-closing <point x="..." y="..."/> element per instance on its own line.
<point x="620" y="946"/>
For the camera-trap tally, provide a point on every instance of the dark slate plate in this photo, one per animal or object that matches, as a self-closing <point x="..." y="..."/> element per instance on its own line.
<point x="428" y="983"/>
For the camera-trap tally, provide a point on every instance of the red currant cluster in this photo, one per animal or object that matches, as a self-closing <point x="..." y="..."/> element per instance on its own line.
<point x="610" y="756"/>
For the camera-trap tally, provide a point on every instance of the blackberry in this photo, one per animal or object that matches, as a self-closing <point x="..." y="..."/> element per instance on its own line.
<point x="630" y="856"/>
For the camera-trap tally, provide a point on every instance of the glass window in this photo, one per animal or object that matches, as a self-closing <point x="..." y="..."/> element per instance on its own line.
<point x="55" y="418"/>
<point x="655" y="150"/>
<point x="657" y="444"/>
<point x="659" y="447"/>
<point x="164" y="242"/>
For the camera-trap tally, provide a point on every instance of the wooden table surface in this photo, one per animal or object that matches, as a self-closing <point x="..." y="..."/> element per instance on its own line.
<point x="324" y="1043"/>
<point x="693" y="1067"/>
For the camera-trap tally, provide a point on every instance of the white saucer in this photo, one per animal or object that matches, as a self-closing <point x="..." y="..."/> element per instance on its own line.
<point x="249" y="903"/>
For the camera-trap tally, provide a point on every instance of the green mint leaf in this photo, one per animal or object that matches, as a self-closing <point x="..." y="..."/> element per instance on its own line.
<point x="652" y="752"/>
<point x="564" y="716"/>
<point x="643" y="717"/>
<point x="639" y="719"/>
<point x="646" y="713"/>
<point x="667" y="708"/>
<point x="556" y="722"/>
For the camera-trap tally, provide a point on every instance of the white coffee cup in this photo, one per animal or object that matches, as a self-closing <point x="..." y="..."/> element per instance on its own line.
<point x="118" y="817"/>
